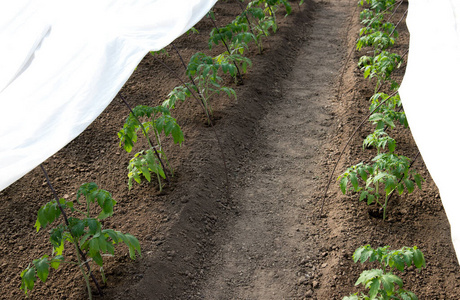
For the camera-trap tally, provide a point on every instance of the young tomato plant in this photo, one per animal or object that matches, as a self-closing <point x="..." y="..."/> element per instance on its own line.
<point x="388" y="173"/>
<point x="261" y="27"/>
<point x="235" y="37"/>
<point x="85" y="233"/>
<point x="383" y="283"/>
<point x="204" y="70"/>
<point x="159" y="120"/>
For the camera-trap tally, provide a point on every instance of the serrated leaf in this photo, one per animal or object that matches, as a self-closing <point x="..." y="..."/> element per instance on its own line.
<point x="366" y="254"/>
<point x="409" y="185"/>
<point x="390" y="185"/>
<point x="94" y="225"/>
<point x="400" y="188"/>
<point x="399" y="262"/>
<point x="370" y="199"/>
<point x="28" y="279"/>
<point x="97" y="257"/>
<point x="362" y="172"/>
<point x="56" y="261"/>
<point x="419" y="259"/>
<point x="418" y="180"/>
<point x="354" y="181"/>
<point x="42" y="266"/>
<point x="408" y="257"/>
<point x="368" y="275"/>
<point x="78" y="228"/>
<point x="374" y="288"/>
<point x="343" y="184"/>
<point x="358" y="252"/>
<point x="389" y="280"/>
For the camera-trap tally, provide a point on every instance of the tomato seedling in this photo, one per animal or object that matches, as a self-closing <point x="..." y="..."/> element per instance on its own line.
<point x="159" y="120"/>
<point x="204" y="70"/>
<point x="85" y="234"/>
<point x="383" y="283"/>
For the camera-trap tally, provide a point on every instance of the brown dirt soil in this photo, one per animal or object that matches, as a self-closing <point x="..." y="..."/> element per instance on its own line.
<point x="261" y="237"/>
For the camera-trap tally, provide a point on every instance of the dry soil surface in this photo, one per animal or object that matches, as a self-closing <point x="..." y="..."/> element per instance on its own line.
<point x="261" y="236"/>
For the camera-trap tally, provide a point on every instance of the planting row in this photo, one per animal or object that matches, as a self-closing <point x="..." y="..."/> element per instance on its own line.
<point x="375" y="182"/>
<point x="81" y="226"/>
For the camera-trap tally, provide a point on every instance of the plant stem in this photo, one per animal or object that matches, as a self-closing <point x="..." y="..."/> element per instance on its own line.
<point x="90" y="295"/>
<point x="385" y="206"/>
<point x="79" y="252"/>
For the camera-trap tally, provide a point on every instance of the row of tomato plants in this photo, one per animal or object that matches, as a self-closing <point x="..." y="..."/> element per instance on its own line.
<point x="204" y="73"/>
<point x="388" y="171"/>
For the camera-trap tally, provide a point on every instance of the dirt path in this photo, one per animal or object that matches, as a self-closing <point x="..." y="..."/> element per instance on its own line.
<point x="270" y="252"/>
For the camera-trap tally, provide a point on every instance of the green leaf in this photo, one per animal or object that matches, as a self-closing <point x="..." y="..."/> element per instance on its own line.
<point x="399" y="263"/>
<point x="362" y="172"/>
<point x="28" y="279"/>
<point x="132" y="243"/>
<point x="56" y="261"/>
<point x="370" y="199"/>
<point x="77" y="228"/>
<point x="391" y="145"/>
<point x="366" y="254"/>
<point x="363" y="195"/>
<point x="354" y="181"/>
<point x="409" y="185"/>
<point x="400" y="188"/>
<point x="379" y="177"/>
<point x="389" y="280"/>
<point x="43" y="267"/>
<point x="94" y="225"/>
<point x="59" y="248"/>
<point x="97" y="257"/>
<point x="112" y="234"/>
<point x="418" y="180"/>
<point x="47" y="214"/>
<point x="368" y="275"/>
<point x="56" y="236"/>
<point x="343" y="184"/>
<point x="374" y="288"/>
<point x="419" y="259"/>
<point x="358" y="252"/>
<point x="390" y="185"/>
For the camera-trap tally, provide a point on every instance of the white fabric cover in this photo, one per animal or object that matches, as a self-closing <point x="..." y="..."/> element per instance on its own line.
<point x="62" y="62"/>
<point x="430" y="96"/>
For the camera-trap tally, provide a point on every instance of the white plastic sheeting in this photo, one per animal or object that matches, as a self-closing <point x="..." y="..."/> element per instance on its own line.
<point x="62" y="62"/>
<point x="430" y="93"/>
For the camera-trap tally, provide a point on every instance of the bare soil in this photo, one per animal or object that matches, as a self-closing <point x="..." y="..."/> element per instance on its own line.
<point x="262" y="236"/>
